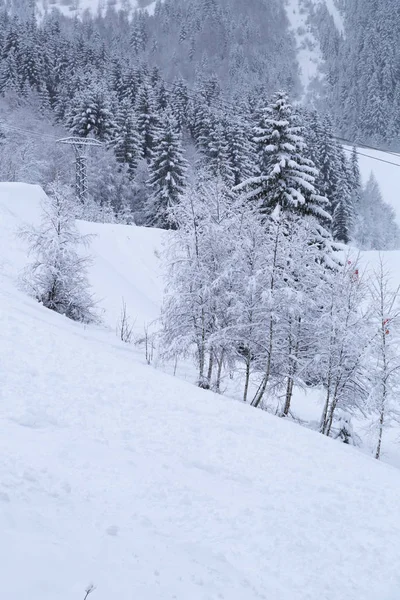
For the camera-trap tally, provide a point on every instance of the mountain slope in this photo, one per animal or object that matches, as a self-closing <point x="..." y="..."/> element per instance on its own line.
<point x="309" y="54"/>
<point x="114" y="472"/>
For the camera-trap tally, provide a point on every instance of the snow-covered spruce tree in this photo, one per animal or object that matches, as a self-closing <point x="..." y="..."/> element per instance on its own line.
<point x="343" y="217"/>
<point x="240" y="150"/>
<point x="167" y="172"/>
<point x="324" y="151"/>
<point x="286" y="176"/>
<point x="127" y="144"/>
<point x="147" y="119"/>
<point x="302" y="247"/>
<point x="354" y="178"/>
<point x="91" y="113"/>
<point x="337" y="178"/>
<point x="383" y="360"/>
<point x="57" y="277"/>
<point x="214" y="148"/>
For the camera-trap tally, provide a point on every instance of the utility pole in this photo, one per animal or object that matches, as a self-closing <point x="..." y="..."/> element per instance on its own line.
<point x="81" y="147"/>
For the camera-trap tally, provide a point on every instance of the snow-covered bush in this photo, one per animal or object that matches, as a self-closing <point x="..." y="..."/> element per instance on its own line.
<point x="57" y="276"/>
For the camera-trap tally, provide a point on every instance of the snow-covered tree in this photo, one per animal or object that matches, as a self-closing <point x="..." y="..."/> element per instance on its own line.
<point x="342" y="343"/>
<point x="147" y="119"/>
<point x="376" y="225"/>
<point x="91" y="113"/>
<point x="57" y="277"/>
<point x="127" y="143"/>
<point x="286" y="176"/>
<point x="196" y="268"/>
<point x="384" y="361"/>
<point x="167" y="174"/>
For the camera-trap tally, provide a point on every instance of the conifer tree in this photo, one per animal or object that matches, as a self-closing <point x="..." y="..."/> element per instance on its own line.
<point x="167" y="174"/>
<point x="91" y="113"/>
<point x="343" y="212"/>
<point x="240" y="150"/>
<point x="147" y="119"/>
<point x="215" y="152"/>
<point x="127" y="145"/>
<point x="286" y="177"/>
<point x="179" y="102"/>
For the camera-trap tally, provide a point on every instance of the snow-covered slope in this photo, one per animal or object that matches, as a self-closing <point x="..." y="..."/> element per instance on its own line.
<point x="309" y="53"/>
<point x="117" y="251"/>
<point x="116" y="473"/>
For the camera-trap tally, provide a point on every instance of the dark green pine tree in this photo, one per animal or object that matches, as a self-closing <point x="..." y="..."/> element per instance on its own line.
<point x="30" y="59"/>
<point x="179" y="100"/>
<point x="9" y="74"/>
<point x="355" y="180"/>
<point x="286" y="178"/>
<point x="343" y="212"/>
<point x="325" y="153"/>
<point x="241" y="151"/>
<point x="167" y="174"/>
<point x="147" y="119"/>
<point x="13" y="37"/>
<point x="127" y="146"/>
<point x="214" y="147"/>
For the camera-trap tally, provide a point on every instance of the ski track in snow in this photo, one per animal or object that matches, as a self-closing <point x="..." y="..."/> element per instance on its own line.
<point x="113" y="472"/>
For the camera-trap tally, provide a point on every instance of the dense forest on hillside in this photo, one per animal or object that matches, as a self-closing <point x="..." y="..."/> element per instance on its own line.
<point x="362" y="69"/>
<point x="183" y="87"/>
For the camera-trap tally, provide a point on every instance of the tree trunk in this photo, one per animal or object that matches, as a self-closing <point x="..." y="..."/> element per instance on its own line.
<point x="293" y="356"/>
<point x="323" y="422"/>
<point x="247" y="378"/>
<point x="219" y="372"/>
<point x="263" y="386"/>
<point x="381" y="424"/>
<point x="288" y="397"/>
<point x="210" y="368"/>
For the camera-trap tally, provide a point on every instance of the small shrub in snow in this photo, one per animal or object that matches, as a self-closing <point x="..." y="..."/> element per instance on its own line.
<point x="57" y="277"/>
<point x="125" y="326"/>
<point x="344" y="429"/>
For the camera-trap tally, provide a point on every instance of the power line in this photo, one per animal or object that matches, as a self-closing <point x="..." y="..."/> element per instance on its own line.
<point x="28" y="132"/>
<point x="365" y="146"/>
<point x="372" y="157"/>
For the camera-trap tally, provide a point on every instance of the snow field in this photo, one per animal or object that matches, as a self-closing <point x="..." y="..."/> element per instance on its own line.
<point x="116" y="473"/>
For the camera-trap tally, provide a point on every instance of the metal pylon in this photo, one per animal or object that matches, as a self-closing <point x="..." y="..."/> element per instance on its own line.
<point x="81" y="147"/>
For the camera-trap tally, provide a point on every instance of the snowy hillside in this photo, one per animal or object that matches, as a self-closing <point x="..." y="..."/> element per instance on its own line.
<point x="116" y="473"/>
<point x="308" y="48"/>
<point x="117" y="250"/>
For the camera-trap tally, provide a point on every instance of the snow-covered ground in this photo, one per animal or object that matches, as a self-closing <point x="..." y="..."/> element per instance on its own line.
<point x="114" y="472"/>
